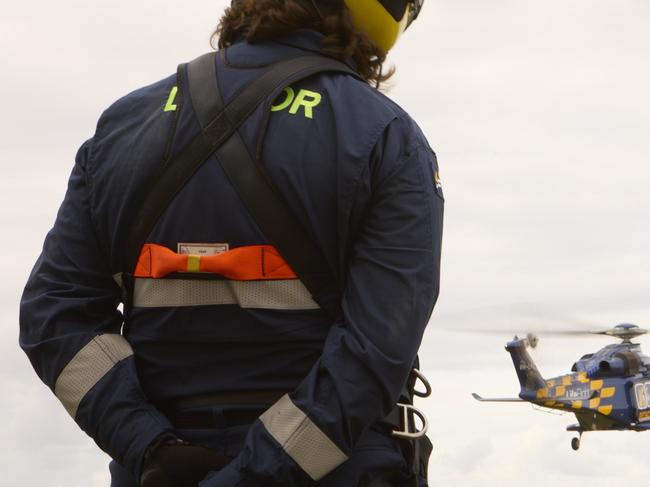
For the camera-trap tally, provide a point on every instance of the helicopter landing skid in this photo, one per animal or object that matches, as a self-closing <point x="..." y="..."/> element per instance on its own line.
<point x="575" y="442"/>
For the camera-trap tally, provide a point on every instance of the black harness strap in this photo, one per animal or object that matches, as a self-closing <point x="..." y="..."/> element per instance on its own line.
<point x="219" y="136"/>
<point x="204" y="90"/>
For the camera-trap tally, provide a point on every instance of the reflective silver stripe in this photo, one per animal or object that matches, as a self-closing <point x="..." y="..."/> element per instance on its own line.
<point x="87" y="368"/>
<point x="301" y="439"/>
<point x="279" y="295"/>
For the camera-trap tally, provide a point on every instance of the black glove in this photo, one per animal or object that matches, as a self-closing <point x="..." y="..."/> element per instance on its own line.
<point x="176" y="463"/>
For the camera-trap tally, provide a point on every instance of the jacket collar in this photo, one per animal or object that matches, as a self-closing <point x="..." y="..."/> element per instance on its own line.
<point x="245" y="55"/>
<point x="306" y="40"/>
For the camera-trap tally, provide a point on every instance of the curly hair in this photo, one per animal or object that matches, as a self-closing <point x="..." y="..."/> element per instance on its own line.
<point x="262" y="20"/>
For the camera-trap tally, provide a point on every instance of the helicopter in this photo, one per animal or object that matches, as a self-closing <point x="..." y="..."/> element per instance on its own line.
<point x="606" y="390"/>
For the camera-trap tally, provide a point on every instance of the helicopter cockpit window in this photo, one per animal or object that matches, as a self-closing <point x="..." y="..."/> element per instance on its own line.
<point x="641" y="398"/>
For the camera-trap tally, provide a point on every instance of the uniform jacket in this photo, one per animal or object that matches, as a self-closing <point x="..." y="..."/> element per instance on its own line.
<point x="361" y="178"/>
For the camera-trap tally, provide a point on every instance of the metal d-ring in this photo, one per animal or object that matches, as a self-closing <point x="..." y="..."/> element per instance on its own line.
<point x="427" y="386"/>
<point x="406" y="432"/>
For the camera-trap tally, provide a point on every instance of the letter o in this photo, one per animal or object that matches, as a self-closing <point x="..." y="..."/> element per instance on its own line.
<point x="287" y="101"/>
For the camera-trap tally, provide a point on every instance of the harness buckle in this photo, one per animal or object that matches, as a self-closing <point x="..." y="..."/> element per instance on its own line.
<point x="409" y="429"/>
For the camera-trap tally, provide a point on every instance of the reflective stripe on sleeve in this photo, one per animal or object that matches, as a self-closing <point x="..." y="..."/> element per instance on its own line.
<point x="301" y="439"/>
<point x="87" y="368"/>
<point x="278" y="295"/>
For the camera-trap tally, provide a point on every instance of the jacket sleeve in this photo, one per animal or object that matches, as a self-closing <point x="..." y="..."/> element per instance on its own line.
<point x="70" y="330"/>
<point x="392" y="284"/>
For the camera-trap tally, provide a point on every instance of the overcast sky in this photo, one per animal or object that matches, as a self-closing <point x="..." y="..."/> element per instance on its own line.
<point x="539" y="112"/>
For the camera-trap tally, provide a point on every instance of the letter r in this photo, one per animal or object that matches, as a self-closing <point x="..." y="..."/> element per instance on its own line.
<point x="307" y="99"/>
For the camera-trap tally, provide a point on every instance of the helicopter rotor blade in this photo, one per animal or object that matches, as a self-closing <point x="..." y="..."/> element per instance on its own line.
<point x="573" y="333"/>
<point x="522" y="317"/>
<point x="547" y="332"/>
<point x="529" y="331"/>
<point x="514" y="315"/>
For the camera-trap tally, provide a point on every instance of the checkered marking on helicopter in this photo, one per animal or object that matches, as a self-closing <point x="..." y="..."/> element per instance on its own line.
<point x="607" y="392"/>
<point x="596" y="385"/>
<point x="578" y="392"/>
<point x="605" y="410"/>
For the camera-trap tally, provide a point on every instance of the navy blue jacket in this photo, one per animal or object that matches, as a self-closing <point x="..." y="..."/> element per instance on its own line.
<point x="361" y="178"/>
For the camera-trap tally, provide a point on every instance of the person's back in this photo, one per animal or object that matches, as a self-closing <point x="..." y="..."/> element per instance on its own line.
<point x="206" y="352"/>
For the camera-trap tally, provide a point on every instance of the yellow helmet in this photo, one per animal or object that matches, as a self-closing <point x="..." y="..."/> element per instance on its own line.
<point x="384" y="20"/>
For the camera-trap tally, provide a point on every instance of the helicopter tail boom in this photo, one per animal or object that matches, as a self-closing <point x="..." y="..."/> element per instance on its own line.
<point x="529" y="377"/>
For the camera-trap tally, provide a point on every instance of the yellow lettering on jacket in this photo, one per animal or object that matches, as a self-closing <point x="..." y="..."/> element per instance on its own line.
<point x="305" y="99"/>
<point x="171" y="106"/>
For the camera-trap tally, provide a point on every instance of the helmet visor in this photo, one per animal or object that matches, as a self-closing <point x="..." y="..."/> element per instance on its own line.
<point x="413" y="8"/>
<point x="384" y="20"/>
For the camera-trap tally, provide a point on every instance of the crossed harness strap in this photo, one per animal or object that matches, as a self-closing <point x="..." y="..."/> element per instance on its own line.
<point x="219" y="137"/>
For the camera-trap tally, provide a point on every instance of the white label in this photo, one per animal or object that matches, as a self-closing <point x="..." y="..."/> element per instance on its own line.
<point x="202" y="248"/>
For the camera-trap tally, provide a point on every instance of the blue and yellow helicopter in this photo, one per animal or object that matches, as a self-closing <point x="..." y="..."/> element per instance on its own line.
<point x="607" y="390"/>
